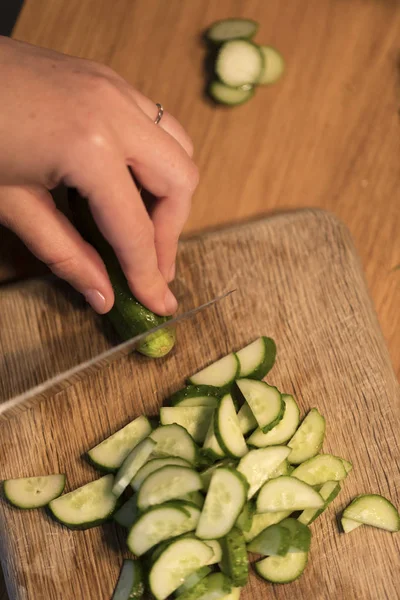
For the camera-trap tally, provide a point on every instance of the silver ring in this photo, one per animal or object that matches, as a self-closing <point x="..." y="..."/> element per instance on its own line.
<point x="159" y="114"/>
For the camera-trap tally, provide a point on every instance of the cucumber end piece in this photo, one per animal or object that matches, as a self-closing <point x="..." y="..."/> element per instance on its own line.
<point x="158" y="344"/>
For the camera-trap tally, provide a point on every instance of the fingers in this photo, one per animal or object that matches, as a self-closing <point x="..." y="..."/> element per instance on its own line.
<point x="32" y="215"/>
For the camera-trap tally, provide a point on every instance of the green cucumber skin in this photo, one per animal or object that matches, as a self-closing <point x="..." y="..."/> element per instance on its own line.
<point x="128" y="316"/>
<point x="277" y="420"/>
<point x="194" y="391"/>
<point x="235" y="562"/>
<point x="269" y="360"/>
<point x="245" y="519"/>
<point x="83" y="526"/>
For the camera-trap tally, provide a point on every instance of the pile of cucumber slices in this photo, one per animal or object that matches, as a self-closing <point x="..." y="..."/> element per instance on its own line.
<point x="240" y="64"/>
<point x="229" y="472"/>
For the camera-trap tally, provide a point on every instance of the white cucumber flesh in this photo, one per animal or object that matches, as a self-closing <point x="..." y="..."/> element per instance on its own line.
<point x="257" y="466"/>
<point x="131" y="465"/>
<point x="287" y="493"/>
<point x="33" y="492"/>
<point x="283" y="431"/>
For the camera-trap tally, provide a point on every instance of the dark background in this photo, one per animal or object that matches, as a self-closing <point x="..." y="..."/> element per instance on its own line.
<point x="9" y="11"/>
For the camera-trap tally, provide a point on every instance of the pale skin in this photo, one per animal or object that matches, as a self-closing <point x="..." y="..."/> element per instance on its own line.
<point x="73" y="121"/>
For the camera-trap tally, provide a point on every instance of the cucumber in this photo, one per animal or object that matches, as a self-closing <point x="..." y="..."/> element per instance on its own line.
<point x="348" y="524"/>
<point x="211" y="446"/>
<point x="216" y="548"/>
<point x="224" y="94"/>
<point x="224" y="502"/>
<point x="33" y="492"/>
<point x="87" y="506"/>
<point x="308" y="439"/>
<point x="227" y="429"/>
<point x="220" y="374"/>
<point x="177" y="561"/>
<point x="258" y="465"/>
<point x="229" y="29"/>
<point x="263" y="520"/>
<point x="127" y="514"/>
<point x="239" y="62"/>
<point x="235" y="563"/>
<point x="245" y="519"/>
<point x="168" y="483"/>
<point x="283" y="431"/>
<point x="272" y="541"/>
<point x="328" y="491"/>
<point x="283" y="469"/>
<point x="347" y="465"/>
<point x="195" y="498"/>
<point x="130" y="585"/>
<point x="193" y="579"/>
<point x="282" y="569"/>
<point x="373" y="510"/>
<point x="247" y="421"/>
<point x="257" y="359"/>
<point x="264" y="400"/>
<point x="287" y="493"/>
<point x="174" y="440"/>
<point x="153" y="465"/>
<point x="131" y="465"/>
<point x="160" y="523"/>
<point x="320" y="469"/>
<point x="208" y="473"/>
<point x="111" y="452"/>
<point x="195" y="419"/>
<point x="196" y="395"/>
<point x="300" y="535"/>
<point x="274" y="65"/>
<point x="128" y="316"/>
<point x="233" y="595"/>
<point x="214" y="587"/>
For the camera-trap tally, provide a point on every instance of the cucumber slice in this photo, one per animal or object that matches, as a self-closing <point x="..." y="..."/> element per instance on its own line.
<point x="282" y="569"/>
<point x="320" y="469"/>
<point x="87" y="506"/>
<point x="195" y="419"/>
<point x="208" y="473"/>
<point x="239" y="62"/>
<point x="168" y="483"/>
<point x="272" y="541"/>
<point x="287" y="493"/>
<point x="247" y="421"/>
<point x="177" y="561"/>
<point x="195" y="498"/>
<point x="300" y="535"/>
<point x="127" y="514"/>
<point x="257" y="359"/>
<point x="33" y="492"/>
<point x="229" y="29"/>
<point x="160" y="523"/>
<point x="209" y="401"/>
<point x="258" y="465"/>
<point x="328" y="491"/>
<point x="130" y="585"/>
<point x="220" y="374"/>
<point x="235" y="563"/>
<point x="227" y="429"/>
<point x="131" y="465"/>
<point x="223" y="94"/>
<point x="216" y="548"/>
<point x="283" y="469"/>
<point x="348" y="524"/>
<point x="214" y="587"/>
<point x="374" y="510"/>
<point x="211" y="446"/>
<point x="263" y="520"/>
<point x="283" y="431"/>
<point x="193" y="579"/>
<point x="245" y="519"/>
<point x="153" y="465"/>
<point x="224" y="502"/>
<point x="201" y="395"/>
<point x="274" y="65"/>
<point x="308" y="439"/>
<point x="347" y="465"/>
<point x="264" y="400"/>
<point x="174" y="440"/>
<point x="111" y="452"/>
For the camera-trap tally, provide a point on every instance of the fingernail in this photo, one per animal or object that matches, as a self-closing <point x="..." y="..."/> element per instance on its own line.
<point x="170" y="303"/>
<point x="171" y="276"/>
<point x="96" y="300"/>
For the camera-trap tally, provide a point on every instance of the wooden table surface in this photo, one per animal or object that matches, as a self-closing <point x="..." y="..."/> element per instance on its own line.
<point x="327" y="135"/>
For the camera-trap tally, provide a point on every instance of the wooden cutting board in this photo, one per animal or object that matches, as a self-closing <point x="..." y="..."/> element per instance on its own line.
<point x="298" y="280"/>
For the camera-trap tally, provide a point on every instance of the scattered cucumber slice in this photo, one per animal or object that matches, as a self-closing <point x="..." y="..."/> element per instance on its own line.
<point x="272" y="541"/>
<point x="195" y="419"/>
<point x="224" y="502"/>
<point x="111" y="452"/>
<point x="300" y="535"/>
<point x="258" y="465"/>
<point x="257" y="359"/>
<point x="211" y="446"/>
<point x="223" y="94"/>
<point x="227" y="429"/>
<point x="245" y="519"/>
<point x="235" y="563"/>
<point x="247" y="421"/>
<point x="239" y="62"/>
<point x="87" y="506"/>
<point x="229" y="29"/>
<point x="127" y="514"/>
<point x="214" y="587"/>
<point x="264" y="400"/>
<point x="283" y="431"/>
<point x="373" y="510"/>
<point x="348" y="524"/>
<point x="153" y="465"/>
<point x="263" y="520"/>
<point x="33" y="492"/>
<point x="308" y="439"/>
<point x="274" y="65"/>
<point x="168" y="483"/>
<point x="196" y="393"/>
<point x="287" y="493"/>
<point x="193" y="579"/>
<point x="216" y="548"/>
<point x="283" y="469"/>
<point x="220" y="374"/>
<point x="328" y="491"/>
<point x="177" y="561"/>
<point x="174" y="440"/>
<point x="208" y="473"/>
<point x="320" y="469"/>
<point x="130" y="585"/>
<point x="131" y="465"/>
<point x="282" y="569"/>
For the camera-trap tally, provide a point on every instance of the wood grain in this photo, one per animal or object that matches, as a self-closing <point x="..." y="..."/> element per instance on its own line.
<point x="299" y="280"/>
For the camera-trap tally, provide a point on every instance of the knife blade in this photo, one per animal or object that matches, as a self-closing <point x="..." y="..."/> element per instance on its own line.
<point x="12" y="407"/>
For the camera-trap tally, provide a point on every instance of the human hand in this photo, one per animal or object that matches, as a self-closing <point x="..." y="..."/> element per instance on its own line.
<point x="73" y="121"/>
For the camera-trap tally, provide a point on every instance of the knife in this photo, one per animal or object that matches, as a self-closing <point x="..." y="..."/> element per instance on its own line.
<point x="12" y="407"/>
